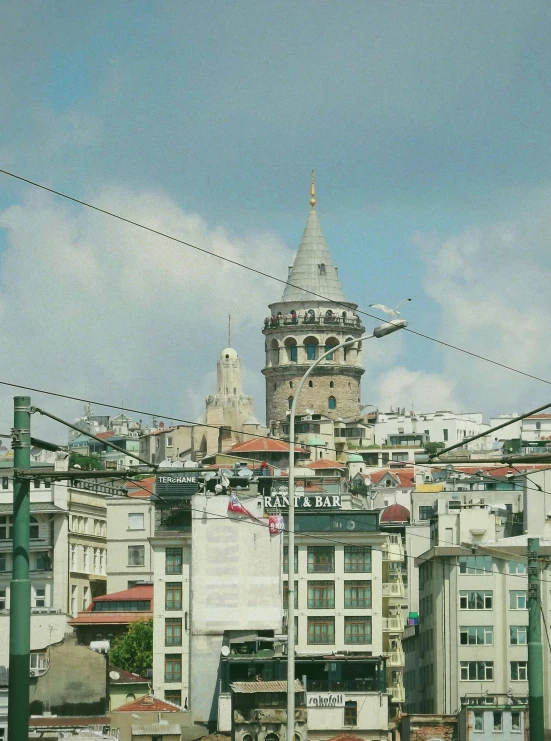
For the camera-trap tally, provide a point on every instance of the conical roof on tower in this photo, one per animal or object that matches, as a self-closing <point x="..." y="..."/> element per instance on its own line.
<point x="313" y="271"/>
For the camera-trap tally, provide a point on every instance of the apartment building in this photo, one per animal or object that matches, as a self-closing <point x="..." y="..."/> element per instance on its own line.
<point x="130" y="525"/>
<point x="472" y="632"/>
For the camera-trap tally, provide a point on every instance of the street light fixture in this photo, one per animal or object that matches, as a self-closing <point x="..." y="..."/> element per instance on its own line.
<point x="380" y="331"/>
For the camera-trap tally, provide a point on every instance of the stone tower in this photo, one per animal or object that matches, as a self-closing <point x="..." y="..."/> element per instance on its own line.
<point x="302" y="326"/>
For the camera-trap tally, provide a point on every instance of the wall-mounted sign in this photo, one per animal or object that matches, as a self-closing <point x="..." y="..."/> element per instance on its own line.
<point x="325" y="700"/>
<point x="177" y="484"/>
<point x="316" y="501"/>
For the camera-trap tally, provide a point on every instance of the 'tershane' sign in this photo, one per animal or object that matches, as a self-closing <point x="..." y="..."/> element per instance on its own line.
<point x="177" y="484"/>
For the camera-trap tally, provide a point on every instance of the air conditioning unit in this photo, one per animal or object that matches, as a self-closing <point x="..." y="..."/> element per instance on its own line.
<point x="34" y="672"/>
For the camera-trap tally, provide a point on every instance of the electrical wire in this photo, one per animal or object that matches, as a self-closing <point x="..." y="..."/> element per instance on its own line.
<point x="263" y="274"/>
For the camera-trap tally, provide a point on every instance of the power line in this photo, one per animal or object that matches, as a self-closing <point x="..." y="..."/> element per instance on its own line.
<point x="263" y="274"/>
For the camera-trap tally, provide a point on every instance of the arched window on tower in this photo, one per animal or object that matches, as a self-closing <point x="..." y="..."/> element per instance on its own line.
<point x="291" y="348"/>
<point x="329" y="343"/>
<point x="331" y="384"/>
<point x="332" y="403"/>
<point x="311" y="347"/>
<point x="290" y="401"/>
<point x="310" y="384"/>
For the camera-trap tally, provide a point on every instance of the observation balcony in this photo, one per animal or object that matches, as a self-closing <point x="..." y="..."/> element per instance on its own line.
<point x="393" y="548"/>
<point x="393" y="624"/>
<point x="333" y="320"/>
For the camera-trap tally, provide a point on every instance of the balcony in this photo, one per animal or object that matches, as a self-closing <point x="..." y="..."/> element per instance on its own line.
<point x="395" y="658"/>
<point x="393" y="549"/>
<point x="393" y="624"/>
<point x="343" y="685"/>
<point x="397" y="693"/>
<point x="290" y="320"/>
<point x="394" y="588"/>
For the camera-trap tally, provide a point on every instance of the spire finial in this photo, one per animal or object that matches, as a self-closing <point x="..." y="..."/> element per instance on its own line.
<point x="313" y="191"/>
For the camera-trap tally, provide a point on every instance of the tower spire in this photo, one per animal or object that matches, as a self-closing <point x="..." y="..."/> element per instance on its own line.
<point x="313" y="191"/>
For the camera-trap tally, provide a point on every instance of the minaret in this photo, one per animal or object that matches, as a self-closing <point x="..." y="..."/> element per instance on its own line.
<point x="312" y="316"/>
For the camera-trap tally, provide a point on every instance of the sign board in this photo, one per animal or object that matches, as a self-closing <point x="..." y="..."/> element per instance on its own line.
<point x="316" y="501"/>
<point x="324" y="700"/>
<point x="429" y="487"/>
<point x="177" y="485"/>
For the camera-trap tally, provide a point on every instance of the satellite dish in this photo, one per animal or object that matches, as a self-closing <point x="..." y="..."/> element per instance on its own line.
<point x="225" y="650"/>
<point x="35" y="452"/>
<point x="209" y="475"/>
<point x="114" y="675"/>
<point x="245" y="473"/>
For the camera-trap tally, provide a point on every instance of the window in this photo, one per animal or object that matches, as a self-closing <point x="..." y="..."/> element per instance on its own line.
<point x="518" y="635"/>
<point x="271" y="736"/>
<point x="425" y="512"/>
<point x="498" y="720"/>
<point x="357" y="595"/>
<point x="515" y="721"/>
<point x="102" y="560"/>
<point x="286" y="594"/>
<point x="173" y="668"/>
<point x="40" y="597"/>
<point x="310" y="351"/>
<point x="321" y="595"/>
<point x="290" y="402"/>
<point x="5" y="482"/>
<point x="85" y="597"/>
<point x="173" y="631"/>
<point x="357" y="558"/>
<point x="331" y="384"/>
<point x="169" y="438"/>
<point x="331" y="403"/>
<point x="34" y="529"/>
<point x="321" y="630"/>
<point x="174" y="696"/>
<point x="475" y="600"/>
<point x="517" y="567"/>
<point x="286" y="560"/>
<point x="36" y="483"/>
<point x="42" y="561"/>
<point x="517" y="600"/>
<point x="472" y="671"/>
<point x="310" y="384"/>
<point x="135" y="521"/>
<point x="136" y="555"/>
<point x="85" y="558"/>
<point x="321" y="559"/>
<point x="3" y="562"/>
<point x="472" y="635"/>
<point x="38" y="661"/>
<point x="478" y="720"/>
<point x="173" y="596"/>
<point x="350" y="713"/>
<point x="475" y="564"/>
<point x="3" y="598"/>
<point x="357" y="629"/>
<point x="519" y="671"/>
<point x="73" y="558"/>
<point x="173" y="562"/>
<point x="293" y="353"/>
<point x="6" y="528"/>
<point x="73" y="599"/>
<point x="327" y="349"/>
<point x="400" y="456"/>
<point x="445" y="435"/>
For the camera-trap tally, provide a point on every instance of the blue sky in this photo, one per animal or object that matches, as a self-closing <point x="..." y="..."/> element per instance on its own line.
<point x="427" y="124"/>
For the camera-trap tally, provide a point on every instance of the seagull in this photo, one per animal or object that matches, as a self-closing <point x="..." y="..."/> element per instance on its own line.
<point x="392" y="312"/>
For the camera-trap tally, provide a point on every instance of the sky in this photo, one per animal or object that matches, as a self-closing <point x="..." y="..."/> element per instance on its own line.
<point x="428" y="126"/>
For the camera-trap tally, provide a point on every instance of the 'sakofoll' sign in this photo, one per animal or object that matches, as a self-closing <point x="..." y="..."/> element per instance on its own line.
<point x="325" y="700"/>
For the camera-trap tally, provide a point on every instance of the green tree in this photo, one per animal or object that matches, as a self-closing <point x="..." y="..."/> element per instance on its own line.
<point x="86" y="462"/>
<point x="432" y="448"/>
<point x="133" y="651"/>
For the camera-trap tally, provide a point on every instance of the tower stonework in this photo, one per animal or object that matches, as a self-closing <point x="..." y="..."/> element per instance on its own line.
<point x="302" y="326"/>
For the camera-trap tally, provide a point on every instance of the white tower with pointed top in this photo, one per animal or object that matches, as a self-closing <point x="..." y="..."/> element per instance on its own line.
<point x="311" y="317"/>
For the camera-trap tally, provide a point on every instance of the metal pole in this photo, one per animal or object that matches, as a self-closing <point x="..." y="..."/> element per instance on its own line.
<point x="535" y="657"/>
<point x="20" y="585"/>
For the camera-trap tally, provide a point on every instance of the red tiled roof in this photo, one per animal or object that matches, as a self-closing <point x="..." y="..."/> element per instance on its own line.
<point x="149" y="704"/>
<point x="325" y="463"/>
<point x="105" y="435"/>
<point x="346" y="737"/>
<point x="135" y="490"/>
<point x="109" y="618"/>
<point x="263" y="445"/>
<point x="126" y="677"/>
<point x="376" y="476"/>
<point x="140" y="592"/>
<point x="539" y="416"/>
<point x="395" y="513"/>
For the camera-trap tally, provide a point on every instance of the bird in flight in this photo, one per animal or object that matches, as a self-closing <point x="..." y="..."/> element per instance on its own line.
<point x="391" y="312"/>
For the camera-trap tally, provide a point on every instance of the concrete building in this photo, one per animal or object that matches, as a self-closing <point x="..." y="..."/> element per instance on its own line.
<point x="303" y="326"/>
<point x="489" y="719"/>
<point x="442" y="427"/>
<point x="130" y="525"/>
<point x="151" y="719"/>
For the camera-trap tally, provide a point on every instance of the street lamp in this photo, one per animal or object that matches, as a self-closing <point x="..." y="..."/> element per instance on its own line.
<point x="380" y="331"/>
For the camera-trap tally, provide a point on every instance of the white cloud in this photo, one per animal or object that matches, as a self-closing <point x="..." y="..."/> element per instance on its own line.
<point x="94" y="307"/>
<point x="416" y="390"/>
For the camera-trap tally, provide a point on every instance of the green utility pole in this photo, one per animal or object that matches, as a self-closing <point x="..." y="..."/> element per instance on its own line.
<point x="20" y="585"/>
<point x="535" y="657"/>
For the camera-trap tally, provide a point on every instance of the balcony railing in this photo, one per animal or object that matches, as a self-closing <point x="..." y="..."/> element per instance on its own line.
<point x="342" y="685"/>
<point x="394" y="588"/>
<point x="393" y="624"/>
<point x="397" y="693"/>
<point x="395" y="658"/>
<point x="289" y="320"/>
<point x="393" y="549"/>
